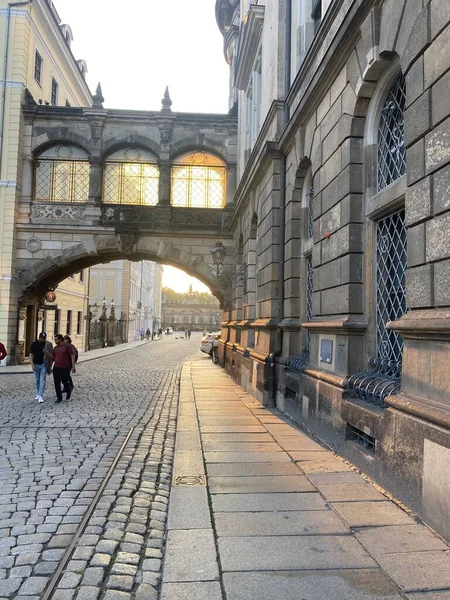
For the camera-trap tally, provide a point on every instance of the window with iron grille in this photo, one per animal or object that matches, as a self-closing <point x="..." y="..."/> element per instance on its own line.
<point x="131" y="177"/>
<point x="199" y="181"/>
<point x="38" y="67"/>
<point x="391" y="152"/>
<point x="62" y="175"/>
<point x="54" y="98"/>
<point x="310" y="197"/>
<point x="390" y="275"/>
<point x="309" y="295"/>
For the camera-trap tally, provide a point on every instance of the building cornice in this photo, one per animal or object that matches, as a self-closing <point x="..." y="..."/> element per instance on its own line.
<point x="250" y="36"/>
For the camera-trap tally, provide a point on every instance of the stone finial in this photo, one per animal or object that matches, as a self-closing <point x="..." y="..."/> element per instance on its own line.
<point x="166" y="101"/>
<point x="98" y="97"/>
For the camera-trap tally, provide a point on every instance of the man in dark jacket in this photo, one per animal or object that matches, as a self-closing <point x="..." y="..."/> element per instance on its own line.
<point x="40" y="358"/>
<point x="63" y="363"/>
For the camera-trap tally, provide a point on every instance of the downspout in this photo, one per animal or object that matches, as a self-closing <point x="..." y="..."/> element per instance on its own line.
<point x="282" y="232"/>
<point x="5" y="72"/>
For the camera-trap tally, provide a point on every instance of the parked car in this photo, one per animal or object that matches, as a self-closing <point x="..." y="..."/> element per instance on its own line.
<point x="210" y="344"/>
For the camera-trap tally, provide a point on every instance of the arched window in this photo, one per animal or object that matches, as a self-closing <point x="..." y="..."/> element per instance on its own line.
<point x="62" y="175"/>
<point x="391" y="152"/>
<point x="199" y="181"/>
<point x="131" y="176"/>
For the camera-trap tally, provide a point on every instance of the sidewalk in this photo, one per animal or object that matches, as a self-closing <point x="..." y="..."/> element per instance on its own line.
<point x="260" y="511"/>
<point x="82" y="356"/>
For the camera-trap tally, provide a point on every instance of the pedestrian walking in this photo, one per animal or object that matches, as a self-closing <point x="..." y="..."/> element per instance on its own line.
<point x="147" y="334"/>
<point x="63" y="363"/>
<point x="41" y="352"/>
<point x="3" y="353"/>
<point x="186" y="334"/>
<point x="68" y="340"/>
<point x="141" y="333"/>
<point x="189" y="334"/>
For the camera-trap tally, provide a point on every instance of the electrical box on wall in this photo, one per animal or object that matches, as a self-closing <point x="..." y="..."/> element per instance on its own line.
<point x="326" y="351"/>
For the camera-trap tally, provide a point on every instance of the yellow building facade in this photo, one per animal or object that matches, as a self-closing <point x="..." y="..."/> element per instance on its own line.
<point x="35" y="55"/>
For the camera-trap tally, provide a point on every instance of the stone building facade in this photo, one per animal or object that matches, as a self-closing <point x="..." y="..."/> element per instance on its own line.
<point x="340" y="223"/>
<point x="37" y="57"/>
<point x="135" y="289"/>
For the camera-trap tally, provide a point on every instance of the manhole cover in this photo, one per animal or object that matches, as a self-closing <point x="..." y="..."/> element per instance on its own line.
<point x="189" y="480"/>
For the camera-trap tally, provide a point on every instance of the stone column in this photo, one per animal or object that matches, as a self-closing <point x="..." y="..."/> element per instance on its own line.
<point x="95" y="180"/>
<point x="164" y="183"/>
<point x="231" y="184"/>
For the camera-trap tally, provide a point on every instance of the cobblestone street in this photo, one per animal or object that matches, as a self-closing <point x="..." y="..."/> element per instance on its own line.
<point x="85" y="483"/>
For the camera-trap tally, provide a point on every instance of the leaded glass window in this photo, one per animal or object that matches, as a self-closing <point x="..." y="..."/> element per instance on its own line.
<point x="199" y="181"/>
<point x="131" y="177"/>
<point x="62" y="175"/>
<point x="390" y="299"/>
<point x="391" y="152"/>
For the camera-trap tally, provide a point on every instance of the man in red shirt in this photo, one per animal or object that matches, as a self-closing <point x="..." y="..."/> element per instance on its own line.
<point x="64" y="362"/>
<point x="3" y="353"/>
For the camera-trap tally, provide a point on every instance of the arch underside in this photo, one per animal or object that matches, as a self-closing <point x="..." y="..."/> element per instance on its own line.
<point x="39" y="275"/>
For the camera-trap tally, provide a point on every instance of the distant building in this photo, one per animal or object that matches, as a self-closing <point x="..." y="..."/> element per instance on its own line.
<point x="135" y="289"/>
<point x="194" y="310"/>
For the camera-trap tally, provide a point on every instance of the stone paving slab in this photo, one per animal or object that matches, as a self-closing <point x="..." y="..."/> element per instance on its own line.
<point x="399" y="538"/>
<point x="442" y="595"/>
<point x="418" y="571"/>
<point x="279" y="523"/>
<point x="319" y="462"/>
<point x="233" y="429"/>
<point x="259" y="484"/>
<point x="292" y="553"/>
<point x="363" y="584"/>
<point x="188" y="508"/>
<point x="200" y="590"/>
<point x="241" y="447"/>
<point x="251" y="469"/>
<point x="336" y="478"/>
<point x="350" y="492"/>
<point x="239" y="457"/>
<point x="190" y="556"/>
<point x="298" y="442"/>
<point x="267" y="502"/>
<point x="368" y="514"/>
<point x="236" y="437"/>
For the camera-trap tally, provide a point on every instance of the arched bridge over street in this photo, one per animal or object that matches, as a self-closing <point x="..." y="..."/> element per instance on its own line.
<point x="100" y="185"/>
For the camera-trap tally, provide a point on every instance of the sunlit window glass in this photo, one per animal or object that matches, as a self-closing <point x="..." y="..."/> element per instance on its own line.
<point x="62" y="175"/>
<point x="199" y="181"/>
<point x="131" y="177"/>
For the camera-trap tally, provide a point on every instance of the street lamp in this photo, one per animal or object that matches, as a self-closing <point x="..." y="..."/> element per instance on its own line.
<point x="218" y="253"/>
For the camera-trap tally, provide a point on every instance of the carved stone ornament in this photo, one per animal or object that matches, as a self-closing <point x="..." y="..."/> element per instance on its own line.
<point x="127" y="214"/>
<point x="96" y="129"/>
<point x="34" y="244"/>
<point x="127" y="241"/>
<point x="191" y="216"/>
<point x="57" y="211"/>
<point x="25" y="277"/>
<point x="50" y="297"/>
<point x="165" y="130"/>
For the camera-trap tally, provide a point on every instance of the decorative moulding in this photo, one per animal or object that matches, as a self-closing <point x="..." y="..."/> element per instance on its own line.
<point x="249" y="44"/>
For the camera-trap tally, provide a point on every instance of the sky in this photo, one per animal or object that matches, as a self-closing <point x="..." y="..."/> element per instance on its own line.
<point x="136" y="48"/>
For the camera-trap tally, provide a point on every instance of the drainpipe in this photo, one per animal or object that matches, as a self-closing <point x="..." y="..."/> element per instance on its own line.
<point x="279" y="335"/>
<point x="5" y="71"/>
